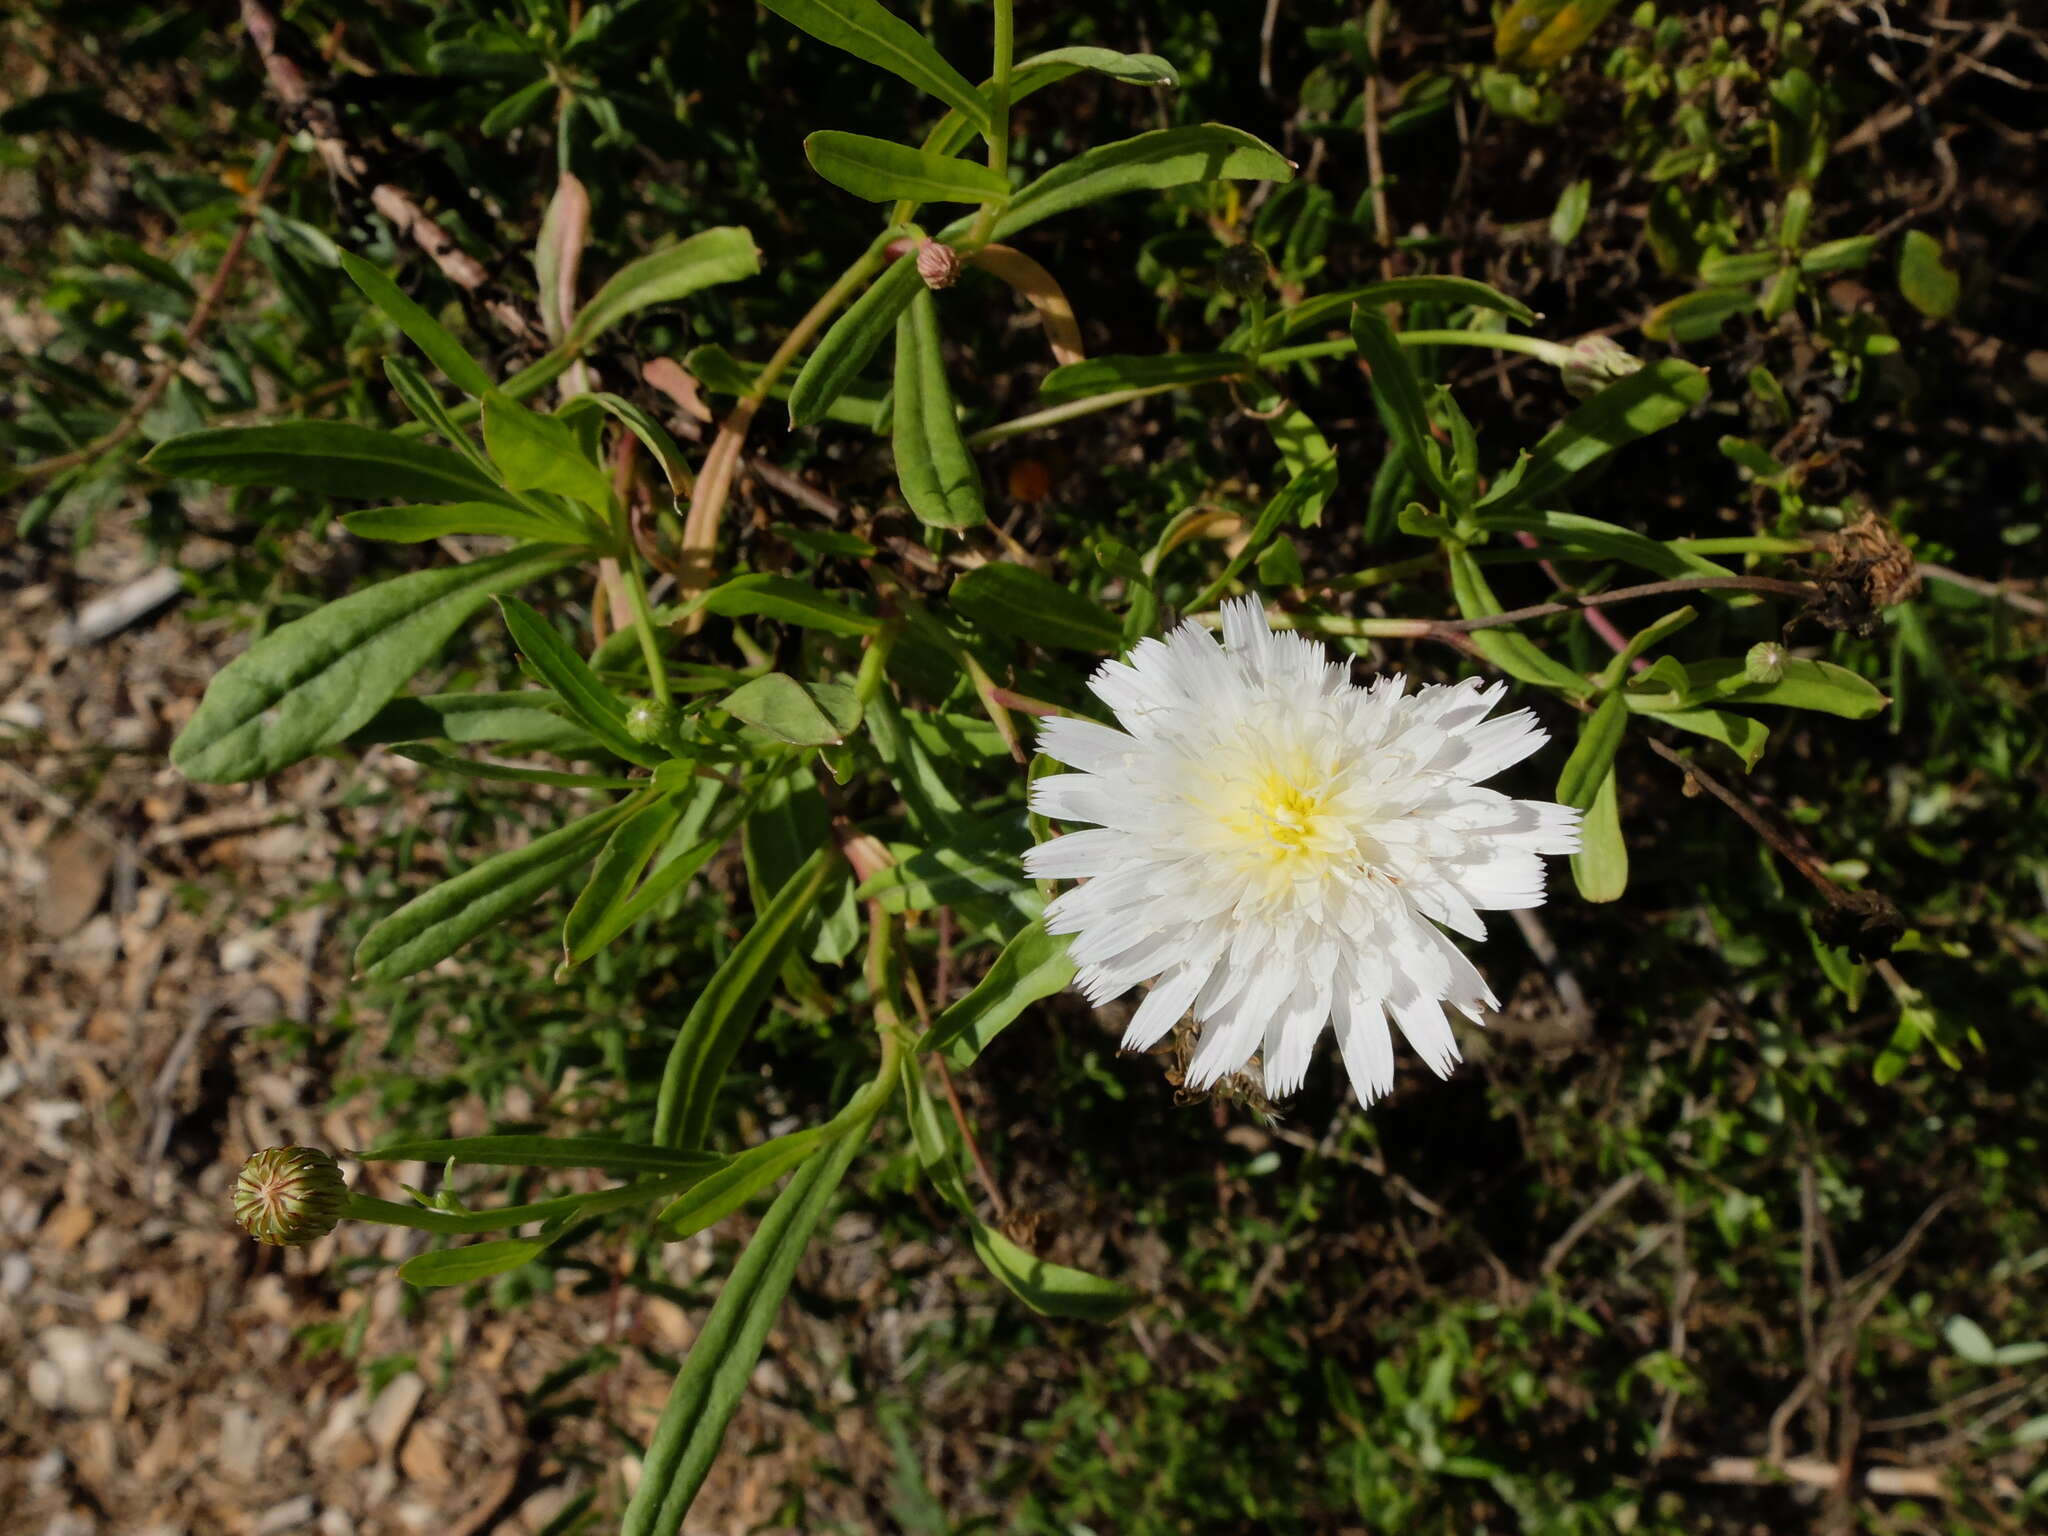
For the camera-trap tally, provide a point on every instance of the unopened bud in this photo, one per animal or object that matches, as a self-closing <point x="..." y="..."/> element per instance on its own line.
<point x="1596" y="362"/>
<point x="649" y="722"/>
<point x="1244" y="270"/>
<point x="1765" y="662"/>
<point x="938" y="264"/>
<point x="289" y="1195"/>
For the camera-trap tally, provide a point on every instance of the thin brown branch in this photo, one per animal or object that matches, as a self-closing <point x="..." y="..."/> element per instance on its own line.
<point x="202" y="314"/>
<point x="1765" y="584"/>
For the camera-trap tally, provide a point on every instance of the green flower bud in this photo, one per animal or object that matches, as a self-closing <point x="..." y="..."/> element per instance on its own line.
<point x="648" y="722"/>
<point x="1244" y="270"/>
<point x="1596" y="362"/>
<point x="1765" y="662"/>
<point x="289" y="1195"/>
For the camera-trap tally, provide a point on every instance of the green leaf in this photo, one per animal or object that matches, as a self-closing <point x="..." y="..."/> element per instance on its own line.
<point x="1398" y="395"/>
<point x="1102" y="375"/>
<point x="721" y="1360"/>
<point x="1644" y="402"/>
<point x="1514" y="654"/>
<point x="672" y="867"/>
<point x="612" y="879"/>
<point x="1592" y="760"/>
<point x="1597" y="540"/>
<point x="1568" y="215"/>
<point x="602" y="712"/>
<point x="424" y="402"/>
<point x="1928" y="283"/>
<point x="788" y="601"/>
<point x="722" y="255"/>
<point x="883" y="171"/>
<point x="852" y="340"/>
<point x="1745" y="737"/>
<point x="413" y="525"/>
<point x="541" y="453"/>
<point x="1844" y="255"/>
<point x="1003" y="599"/>
<point x="1398" y="290"/>
<point x="1032" y="75"/>
<point x="674" y="467"/>
<point x="1131" y="68"/>
<point x="429" y="758"/>
<point x="737" y="1181"/>
<point x="1295" y="501"/>
<point x="330" y="458"/>
<point x="870" y="33"/>
<point x="462" y="370"/>
<point x="1032" y="966"/>
<point x="1969" y="1341"/>
<point x="1052" y="1289"/>
<point x="1167" y="157"/>
<point x="545" y="1152"/>
<point x="477" y="1261"/>
<point x="727" y="1007"/>
<point x="436" y="923"/>
<point x="1816" y="685"/>
<point x="517" y="108"/>
<point x="1743" y="267"/>
<point x="1601" y="865"/>
<point x="937" y="472"/>
<point x="528" y="718"/>
<point x="308" y="684"/>
<point x="1696" y="316"/>
<point x="813" y="715"/>
<point x="980" y="861"/>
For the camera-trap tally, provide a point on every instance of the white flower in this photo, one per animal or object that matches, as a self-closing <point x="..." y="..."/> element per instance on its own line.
<point x="1274" y="846"/>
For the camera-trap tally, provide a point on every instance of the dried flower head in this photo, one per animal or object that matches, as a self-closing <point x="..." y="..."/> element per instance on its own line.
<point x="289" y="1195"/>
<point x="1275" y="848"/>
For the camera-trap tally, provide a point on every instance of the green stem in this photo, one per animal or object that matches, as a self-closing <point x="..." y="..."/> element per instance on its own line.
<point x="643" y="621"/>
<point x="1053" y="415"/>
<point x="998" y="122"/>
<point x="391" y="1213"/>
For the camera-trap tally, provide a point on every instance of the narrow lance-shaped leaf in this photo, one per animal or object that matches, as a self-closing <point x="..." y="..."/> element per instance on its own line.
<point x="476" y="1261"/>
<point x="436" y="923"/>
<point x="870" y="33"/>
<point x="1805" y="684"/>
<point x="1102" y="375"/>
<point x="727" y="1007"/>
<point x="1030" y="76"/>
<point x="737" y="1181"/>
<point x="545" y="1152"/>
<point x="721" y="1360"/>
<point x="788" y="601"/>
<point x="722" y="255"/>
<point x="1398" y="290"/>
<point x="1167" y="157"/>
<point x="1644" y="402"/>
<point x="1032" y="966"/>
<point x="1053" y="1289"/>
<point x="414" y="525"/>
<point x="882" y="171"/>
<point x="1013" y="600"/>
<point x="586" y="696"/>
<point x="940" y="479"/>
<point x="1599" y="739"/>
<point x="1397" y="393"/>
<point x="852" y="340"/>
<point x="526" y="718"/>
<point x="427" y="333"/>
<point x="310" y="683"/>
<point x="1601" y="865"/>
<point x="618" y="869"/>
<point x="329" y="458"/>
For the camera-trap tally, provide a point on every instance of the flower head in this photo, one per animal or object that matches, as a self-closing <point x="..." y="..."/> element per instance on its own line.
<point x="290" y="1195"/>
<point x="1278" y="849"/>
